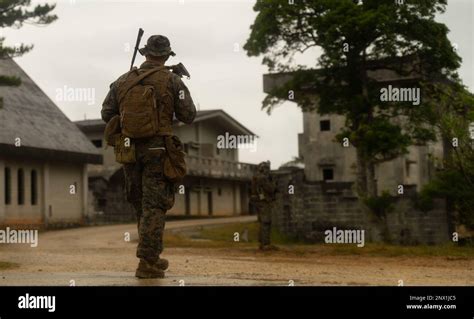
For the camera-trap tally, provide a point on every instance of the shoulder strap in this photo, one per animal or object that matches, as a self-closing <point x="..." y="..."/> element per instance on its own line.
<point x="137" y="80"/>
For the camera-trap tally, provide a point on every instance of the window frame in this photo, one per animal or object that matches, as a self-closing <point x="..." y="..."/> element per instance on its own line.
<point x="327" y="169"/>
<point x="34" y="187"/>
<point x="7" y="180"/>
<point x="323" y="127"/>
<point x="20" y="186"/>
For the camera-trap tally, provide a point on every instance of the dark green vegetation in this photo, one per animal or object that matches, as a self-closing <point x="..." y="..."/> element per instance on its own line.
<point x="13" y="14"/>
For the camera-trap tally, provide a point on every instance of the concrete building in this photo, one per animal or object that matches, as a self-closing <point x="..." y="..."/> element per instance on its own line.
<point x="43" y="157"/>
<point x="325" y="159"/>
<point x="324" y="196"/>
<point x="217" y="184"/>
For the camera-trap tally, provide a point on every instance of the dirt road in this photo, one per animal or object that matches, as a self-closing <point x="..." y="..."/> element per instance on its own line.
<point x="103" y="256"/>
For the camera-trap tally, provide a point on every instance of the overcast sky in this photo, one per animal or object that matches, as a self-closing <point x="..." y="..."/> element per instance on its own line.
<point x="92" y="43"/>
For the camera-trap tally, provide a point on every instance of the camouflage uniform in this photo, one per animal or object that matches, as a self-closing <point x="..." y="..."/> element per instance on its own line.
<point x="146" y="187"/>
<point x="262" y="197"/>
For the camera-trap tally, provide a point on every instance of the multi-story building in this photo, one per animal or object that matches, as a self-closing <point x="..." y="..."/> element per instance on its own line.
<point x="324" y="196"/>
<point x="216" y="183"/>
<point x="326" y="159"/>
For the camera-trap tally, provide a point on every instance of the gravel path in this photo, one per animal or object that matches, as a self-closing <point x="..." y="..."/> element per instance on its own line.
<point x="100" y="256"/>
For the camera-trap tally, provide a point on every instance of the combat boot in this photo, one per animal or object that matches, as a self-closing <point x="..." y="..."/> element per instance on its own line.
<point x="149" y="270"/>
<point x="162" y="264"/>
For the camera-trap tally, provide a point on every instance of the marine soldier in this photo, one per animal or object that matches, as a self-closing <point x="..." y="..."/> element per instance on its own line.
<point x="262" y="197"/>
<point x="142" y="104"/>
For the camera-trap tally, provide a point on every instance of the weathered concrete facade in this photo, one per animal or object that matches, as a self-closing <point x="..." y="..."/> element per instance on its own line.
<point x="323" y="195"/>
<point x="326" y="159"/>
<point x="315" y="207"/>
<point x="41" y="193"/>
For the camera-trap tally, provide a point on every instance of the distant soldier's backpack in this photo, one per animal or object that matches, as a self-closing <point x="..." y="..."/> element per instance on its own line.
<point x="139" y="114"/>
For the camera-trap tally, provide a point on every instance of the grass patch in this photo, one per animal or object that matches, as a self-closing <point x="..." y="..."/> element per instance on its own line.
<point x="222" y="236"/>
<point x="5" y="265"/>
<point x="226" y="233"/>
<point x="377" y="249"/>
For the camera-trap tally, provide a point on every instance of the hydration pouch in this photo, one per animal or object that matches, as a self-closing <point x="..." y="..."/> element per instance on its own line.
<point x="174" y="167"/>
<point x="124" y="150"/>
<point x="112" y="130"/>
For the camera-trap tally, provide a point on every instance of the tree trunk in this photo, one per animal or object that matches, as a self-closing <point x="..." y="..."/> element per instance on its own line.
<point x="364" y="181"/>
<point x="371" y="182"/>
<point x="361" y="182"/>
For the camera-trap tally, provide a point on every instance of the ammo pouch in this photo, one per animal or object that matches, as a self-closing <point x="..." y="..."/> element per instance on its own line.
<point x="112" y="130"/>
<point x="174" y="166"/>
<point x="124" y="150"/>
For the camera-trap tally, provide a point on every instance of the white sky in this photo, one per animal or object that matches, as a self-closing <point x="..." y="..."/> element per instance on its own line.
<point x="91" y="44"/>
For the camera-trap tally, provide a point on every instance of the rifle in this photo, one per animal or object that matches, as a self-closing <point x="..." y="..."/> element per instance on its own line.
<point x="139" y="38"/>
<point x="180" y="70"/>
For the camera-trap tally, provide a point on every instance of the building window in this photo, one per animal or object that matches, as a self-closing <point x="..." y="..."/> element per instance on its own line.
<point x="34" y="187"/>
<point x="21" y="186"/>
<point x="8" y="186"/>
<point x="325" y="125"/>
<point x="328" y="174"/>
<point x="97" y="143"/>
<point x="219" y="191"/>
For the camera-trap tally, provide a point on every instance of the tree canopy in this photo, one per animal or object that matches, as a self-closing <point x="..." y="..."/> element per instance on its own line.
<point x="358" y="38"/>
<point x="14" y="14"/>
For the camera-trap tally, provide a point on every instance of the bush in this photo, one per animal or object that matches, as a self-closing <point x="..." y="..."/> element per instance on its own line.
<point x="452" y="184"/>
<point x="380" y="205"/>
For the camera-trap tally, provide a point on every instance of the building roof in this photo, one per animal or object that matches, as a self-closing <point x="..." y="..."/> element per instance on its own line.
<point x="45" y="132"/>
<point x="222" y="117"/>
<point x="204" y="115"/>
<point x="383" y="71"/>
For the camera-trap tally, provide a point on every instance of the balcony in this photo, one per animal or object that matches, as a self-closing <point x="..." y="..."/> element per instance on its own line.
<point x="196" y="165"/>
<point x="218" y="168"/>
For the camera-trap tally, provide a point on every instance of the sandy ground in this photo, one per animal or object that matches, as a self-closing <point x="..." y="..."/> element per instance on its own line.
<point x="100" y="256"/>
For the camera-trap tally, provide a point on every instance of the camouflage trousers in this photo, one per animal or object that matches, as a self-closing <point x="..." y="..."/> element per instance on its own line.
<point x="263" y="210"/>
<point x="151" y="195"/>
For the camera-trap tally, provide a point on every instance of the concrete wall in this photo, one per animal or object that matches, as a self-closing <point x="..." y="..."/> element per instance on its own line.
<point x="27" y="212"/>
<point x="107" y="152"/>
<point x="54" y="202"/>
<point x="321" y="150"/>
<point x="227" y="199"/>
<point x="63" y="205"/>
<point x="317" y="206"/>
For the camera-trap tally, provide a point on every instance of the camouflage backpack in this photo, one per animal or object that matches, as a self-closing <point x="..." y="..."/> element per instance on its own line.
<point x="139" y="113"/>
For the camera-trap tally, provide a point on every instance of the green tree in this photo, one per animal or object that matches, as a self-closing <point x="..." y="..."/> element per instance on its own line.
<point x="15" y="13"/>
<point x="455" y="182"/>
<point x="356" y="39"/>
